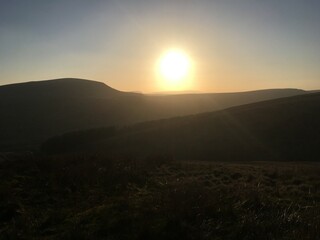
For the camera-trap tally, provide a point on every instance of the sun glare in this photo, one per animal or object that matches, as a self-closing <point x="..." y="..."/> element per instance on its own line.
<point x="174" y="69"/>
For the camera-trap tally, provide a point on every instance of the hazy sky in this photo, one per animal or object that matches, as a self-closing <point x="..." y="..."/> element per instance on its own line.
<point x="235" y="45"/>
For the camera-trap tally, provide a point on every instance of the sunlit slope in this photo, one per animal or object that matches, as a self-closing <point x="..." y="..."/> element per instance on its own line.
<point x="32" y="112"/>
<point x="286" y="129"/>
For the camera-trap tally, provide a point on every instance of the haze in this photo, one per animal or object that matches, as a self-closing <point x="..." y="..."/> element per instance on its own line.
<point x="234" y="45"/>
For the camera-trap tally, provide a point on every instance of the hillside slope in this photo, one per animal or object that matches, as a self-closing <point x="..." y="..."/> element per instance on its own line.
<point x="282" y="129"/>
<point x="34" y="111"/>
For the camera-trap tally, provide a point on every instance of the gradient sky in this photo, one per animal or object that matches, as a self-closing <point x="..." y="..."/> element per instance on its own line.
<point x="235" y="45"/>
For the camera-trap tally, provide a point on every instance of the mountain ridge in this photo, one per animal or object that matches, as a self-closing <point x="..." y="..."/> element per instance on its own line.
<point x="285" y="129"/>
<point x="59" y="87"/>
<point x="35" y="111"/>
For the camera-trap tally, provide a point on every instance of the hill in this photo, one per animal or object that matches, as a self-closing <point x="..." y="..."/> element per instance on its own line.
<point x="34" y="111"/>
<point x="284" y="129"/>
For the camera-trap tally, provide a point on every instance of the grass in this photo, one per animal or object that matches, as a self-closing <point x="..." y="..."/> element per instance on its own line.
<point x="96" y="197"/>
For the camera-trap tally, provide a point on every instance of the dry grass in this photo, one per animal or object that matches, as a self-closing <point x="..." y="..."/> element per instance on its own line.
<point x="90" y="197"/>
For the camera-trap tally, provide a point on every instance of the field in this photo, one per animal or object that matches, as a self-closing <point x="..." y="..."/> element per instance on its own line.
<point x="97" y="197"/>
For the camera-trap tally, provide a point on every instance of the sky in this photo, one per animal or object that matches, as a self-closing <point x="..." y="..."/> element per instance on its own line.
<point x="234" y="45"/>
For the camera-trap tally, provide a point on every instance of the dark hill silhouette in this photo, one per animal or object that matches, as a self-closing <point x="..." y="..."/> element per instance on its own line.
<point x="66" y="87"/>
<point x="286" y="129"/>
<point x="34" y="111"/>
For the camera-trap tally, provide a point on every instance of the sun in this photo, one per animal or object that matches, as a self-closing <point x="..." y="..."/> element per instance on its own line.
<point x="174" y="69"/>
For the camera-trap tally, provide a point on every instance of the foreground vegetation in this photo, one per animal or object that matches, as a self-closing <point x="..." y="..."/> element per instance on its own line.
<point x="96" y="197"/>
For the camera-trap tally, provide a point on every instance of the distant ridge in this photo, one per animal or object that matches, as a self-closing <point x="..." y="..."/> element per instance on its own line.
<point x="238" y="92"/>
<point x="286" y="129"/>
<point x="34" y="111"/>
